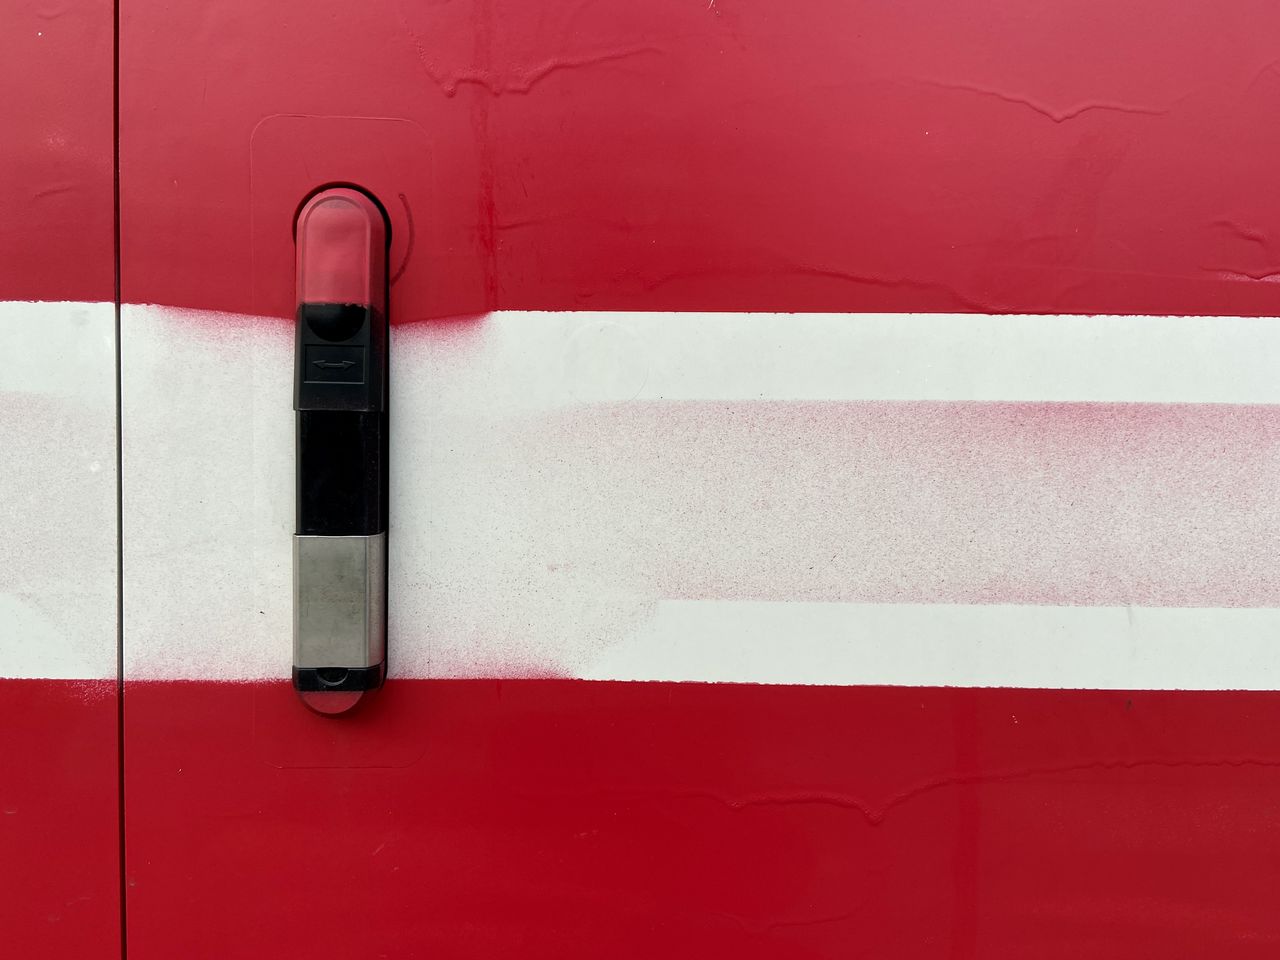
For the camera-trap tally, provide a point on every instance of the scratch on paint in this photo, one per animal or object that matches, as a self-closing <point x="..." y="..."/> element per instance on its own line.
<point x="525" y="81"/>
<point x="625" y="226"/>
<point x="518" y="81"/>
<point x="1243" y="232"/>
<point x="876" y="815"/>
<point x="1271" y="66"/>
<point x="832" y="273"/>
<point x="408" y="252"/>
<point x="813" y="921"/>
<point x="53" y="190"/>
<point x="758" y="928"/>
<point x="1057" y="116"/>
<point x="1228" y="273"/>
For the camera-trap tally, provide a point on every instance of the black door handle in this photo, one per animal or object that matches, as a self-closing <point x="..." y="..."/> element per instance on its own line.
<point x="340" y="395"/>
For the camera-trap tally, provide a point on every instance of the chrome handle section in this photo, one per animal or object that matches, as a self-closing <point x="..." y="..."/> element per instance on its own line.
<point x="339" y="607"/>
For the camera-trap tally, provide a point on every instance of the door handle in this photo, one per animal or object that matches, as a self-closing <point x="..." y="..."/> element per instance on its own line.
<point x="340" y="395"/>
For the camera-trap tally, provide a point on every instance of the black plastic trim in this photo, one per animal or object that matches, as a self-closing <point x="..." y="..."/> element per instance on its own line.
<point x="312" y="679"/>
<point x="341" y="473"/>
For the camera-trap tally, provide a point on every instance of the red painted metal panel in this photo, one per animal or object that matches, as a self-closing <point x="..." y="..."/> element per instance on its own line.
<point x="982" y="155"/>
<point x="547" y="818"/>
<point x="684" y="156"/>
<point x="56" y="233"/>
<point x="59" y="872"/>
<point x="59" y="869"/>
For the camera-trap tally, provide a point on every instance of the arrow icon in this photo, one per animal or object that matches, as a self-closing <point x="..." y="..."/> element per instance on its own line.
<point x="334" y="364"/>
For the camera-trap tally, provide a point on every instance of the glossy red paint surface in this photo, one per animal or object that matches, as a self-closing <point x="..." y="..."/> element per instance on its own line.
<point x="547" y="818"/>
<point x="56" y="165"/>
<point x="59" y="836"/>
<point x="980" y="155"/>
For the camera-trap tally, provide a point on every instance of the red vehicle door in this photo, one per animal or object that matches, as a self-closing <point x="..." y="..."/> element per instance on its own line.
<point x="833" y="480"/>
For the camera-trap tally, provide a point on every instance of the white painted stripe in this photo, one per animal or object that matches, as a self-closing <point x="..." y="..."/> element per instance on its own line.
<point x="839" y="644"/>
<point x="207" y="445"/>
<point x="532" y="361"/>
<point x="58" y="474"/>
<point x="512" y="533"/>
